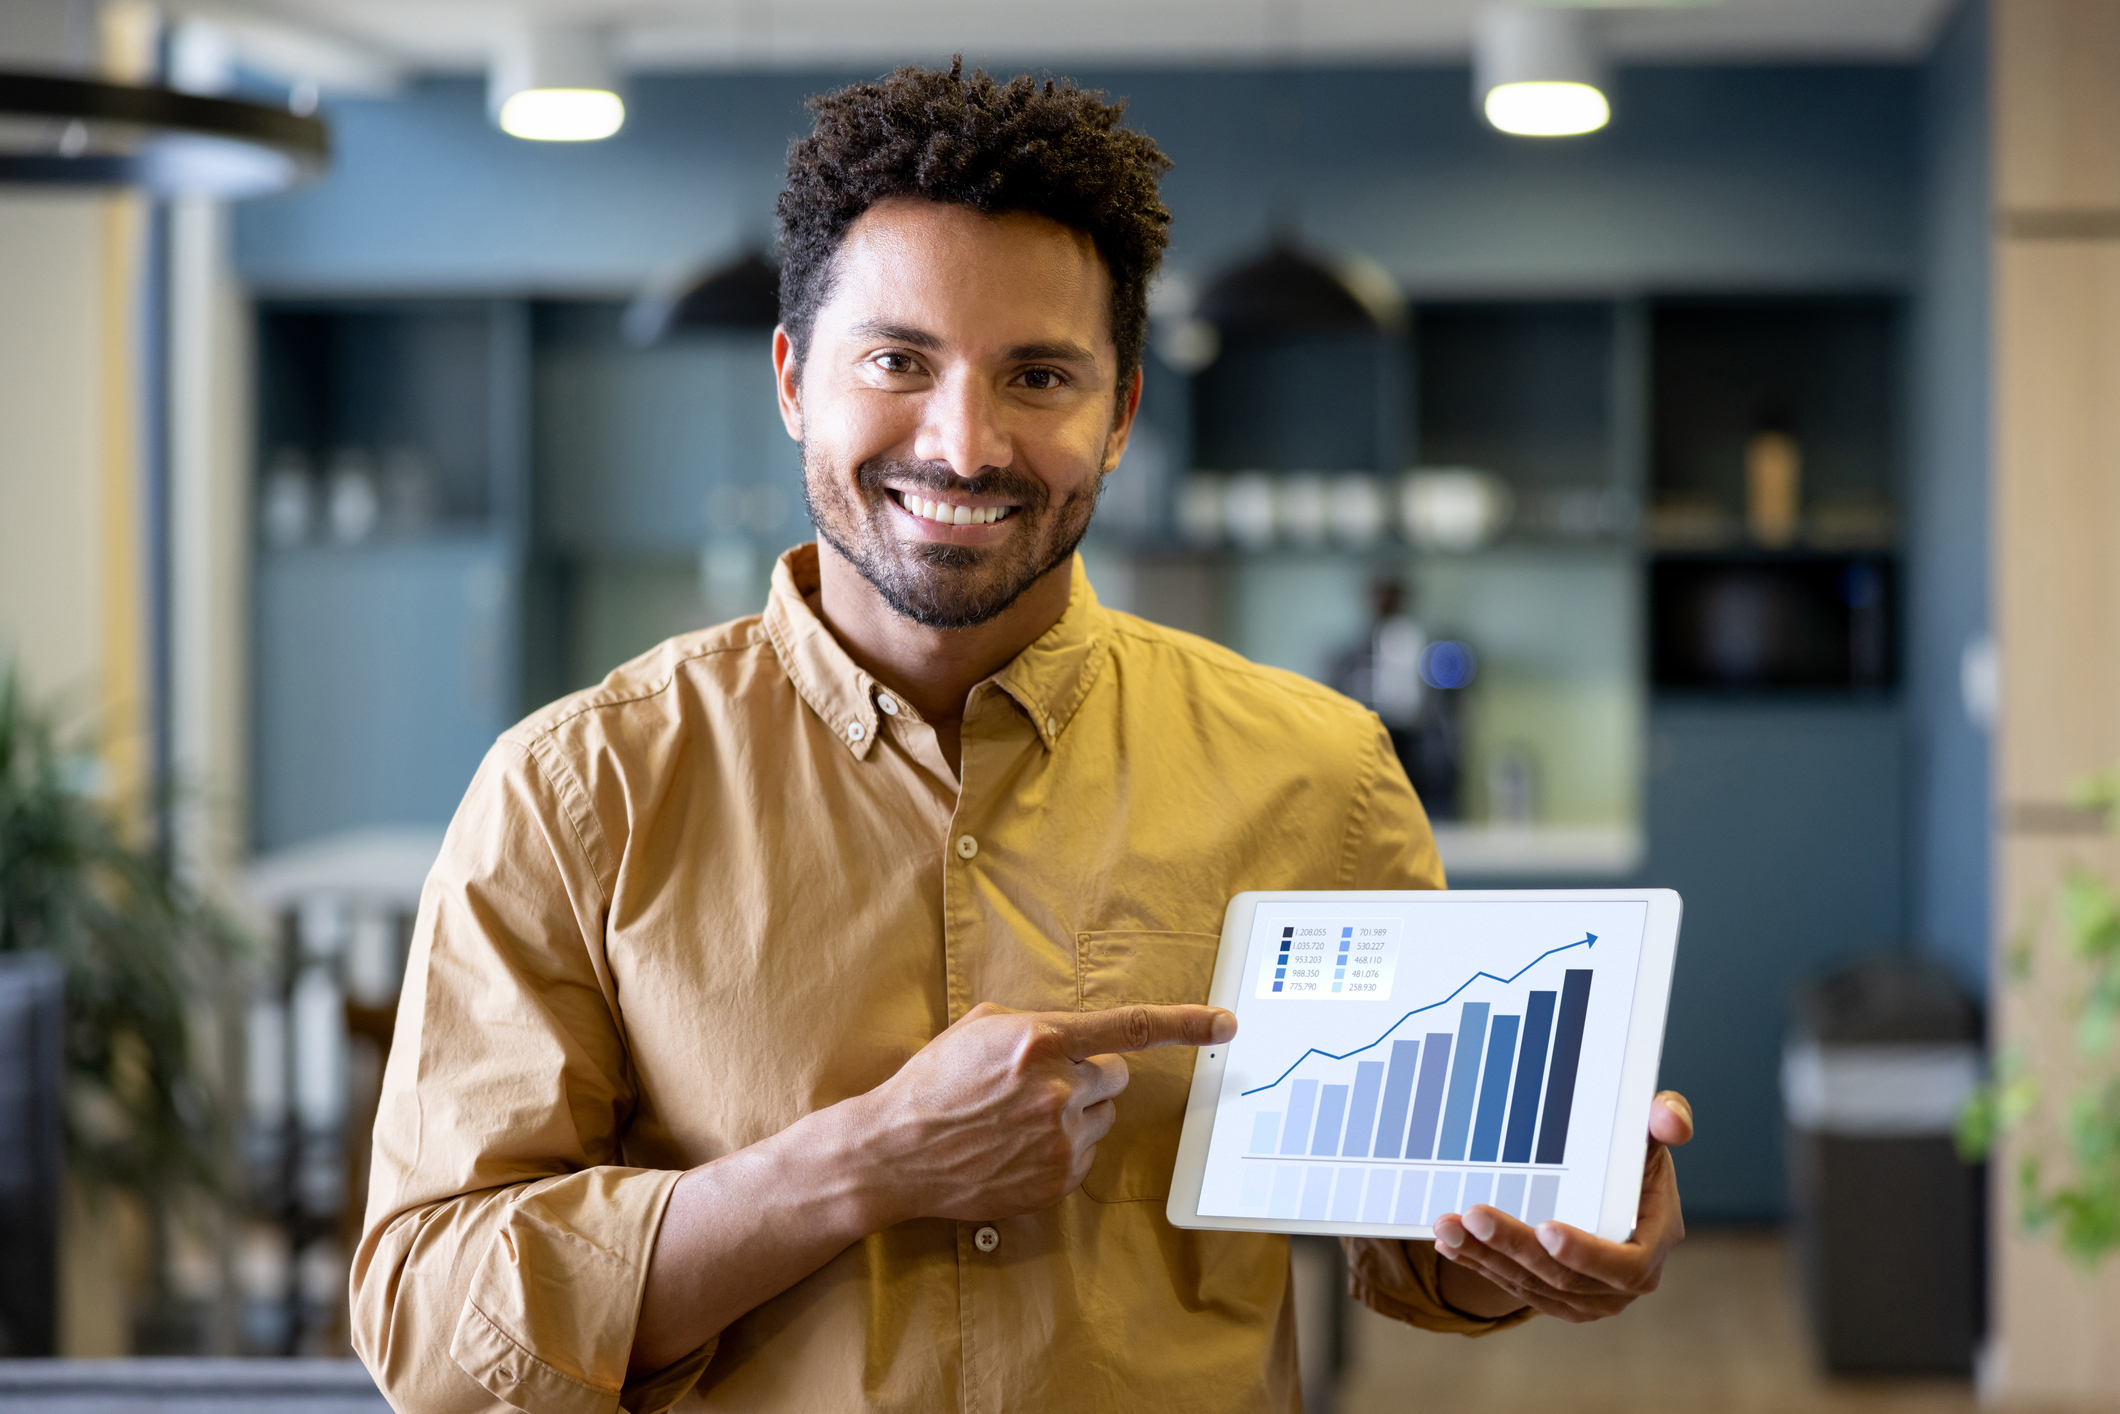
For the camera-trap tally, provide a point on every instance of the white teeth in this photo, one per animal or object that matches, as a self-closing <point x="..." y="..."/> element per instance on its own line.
<point x="944" y="514"/>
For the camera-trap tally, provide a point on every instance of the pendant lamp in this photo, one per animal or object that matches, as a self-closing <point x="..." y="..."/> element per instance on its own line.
<point x="741" y="294"/>
<point x="61" y="130"/>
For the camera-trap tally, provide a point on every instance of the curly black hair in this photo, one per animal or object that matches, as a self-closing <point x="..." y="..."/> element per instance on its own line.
<point x="1056" y="150"/>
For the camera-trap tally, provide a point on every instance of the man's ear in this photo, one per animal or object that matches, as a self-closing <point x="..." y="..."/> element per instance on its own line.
<point x="787" y="381"/>
<point x="1129" y="403"/>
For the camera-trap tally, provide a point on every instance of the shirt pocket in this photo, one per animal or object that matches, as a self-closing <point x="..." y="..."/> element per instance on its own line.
<point x="1120" y="968"/>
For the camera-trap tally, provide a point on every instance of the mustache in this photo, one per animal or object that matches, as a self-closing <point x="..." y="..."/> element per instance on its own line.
<point x="1004" y="482"/>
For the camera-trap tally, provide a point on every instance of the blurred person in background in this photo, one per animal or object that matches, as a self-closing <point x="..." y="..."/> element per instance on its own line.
<point x="801" y="1018"/>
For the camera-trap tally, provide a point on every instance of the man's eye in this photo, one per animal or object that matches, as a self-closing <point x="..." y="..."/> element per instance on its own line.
<point x="895" y="363"/>
<point x="1040" y="379"/>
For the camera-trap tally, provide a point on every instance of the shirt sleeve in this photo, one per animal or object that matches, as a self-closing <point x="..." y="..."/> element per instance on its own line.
<point x="1390" y="846"/>
<point x="506" y="1245"/>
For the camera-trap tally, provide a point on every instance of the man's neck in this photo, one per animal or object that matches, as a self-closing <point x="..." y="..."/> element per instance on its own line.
<point x="933" y="669"/>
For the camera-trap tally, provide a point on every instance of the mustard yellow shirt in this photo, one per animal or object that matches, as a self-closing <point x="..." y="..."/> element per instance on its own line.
<point x="738" y="882"/>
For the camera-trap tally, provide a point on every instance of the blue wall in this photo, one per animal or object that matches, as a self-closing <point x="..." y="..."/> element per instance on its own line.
<point x="1947" y="550"/>
<point x="1725" y="177"/>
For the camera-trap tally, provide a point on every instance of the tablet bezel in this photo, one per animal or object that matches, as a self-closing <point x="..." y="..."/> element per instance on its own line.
<point x="1638" y="1069"/>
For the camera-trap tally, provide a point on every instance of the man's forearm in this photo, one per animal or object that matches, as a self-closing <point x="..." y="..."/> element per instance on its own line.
<point x="746" y="1227"/>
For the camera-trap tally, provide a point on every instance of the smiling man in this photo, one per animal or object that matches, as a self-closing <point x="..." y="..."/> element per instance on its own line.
<point x="802" y="1018"/>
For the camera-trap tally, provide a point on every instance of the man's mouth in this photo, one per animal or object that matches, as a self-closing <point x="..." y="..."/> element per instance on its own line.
<point x="948" y="512"/>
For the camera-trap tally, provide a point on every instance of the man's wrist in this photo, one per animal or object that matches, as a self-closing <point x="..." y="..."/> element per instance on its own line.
<point x="849" y="1141"/>
<point x="1471" y="1295"/>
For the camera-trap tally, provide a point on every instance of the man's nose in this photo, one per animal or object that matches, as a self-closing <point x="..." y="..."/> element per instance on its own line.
<point x="963" y="426"/>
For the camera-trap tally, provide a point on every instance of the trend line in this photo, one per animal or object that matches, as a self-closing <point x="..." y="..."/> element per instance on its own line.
<point x="1588" y="940"/>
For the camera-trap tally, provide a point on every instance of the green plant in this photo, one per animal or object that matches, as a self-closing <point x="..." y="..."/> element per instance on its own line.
<point x="141" y="950"/>
<point x="2081" y="1206"/>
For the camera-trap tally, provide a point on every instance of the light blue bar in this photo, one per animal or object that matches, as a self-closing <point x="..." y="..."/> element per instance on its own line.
<point x="1509" y="1194"/>
<point x="1362" y="1110"/>
<point x="1258" y="1185"/>
<point x="1317" y="1192"/>
<point x="1383" y="1183"/>
<point x="1302" y="1098"/>
<point x="1479" y="1188"/>
<point x="1332" y="1109"/>
<point x="1464" y="1081"/>
<point x="1413" y="1198"/>
<point x="1347" y="1196"/>
<point x="1545" y="1196"/>
<point x="1287" y="1188"/>
<point x="1443" y="1194"/>
<point x="1265" y="1131"/>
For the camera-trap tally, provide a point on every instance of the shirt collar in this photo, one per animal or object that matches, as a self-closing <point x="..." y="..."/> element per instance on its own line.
<point x="1049" y="679"/>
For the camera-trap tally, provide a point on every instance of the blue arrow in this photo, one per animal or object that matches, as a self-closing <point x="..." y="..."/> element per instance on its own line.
<point x="1589" y="940"/>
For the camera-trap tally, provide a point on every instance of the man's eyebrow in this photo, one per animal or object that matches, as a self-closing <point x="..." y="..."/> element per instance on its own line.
<point x="1053" y="351"/>
<point x="897" y="334"/>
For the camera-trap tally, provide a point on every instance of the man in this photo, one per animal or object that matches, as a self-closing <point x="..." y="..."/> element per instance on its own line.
<point x="801" y="1019"/>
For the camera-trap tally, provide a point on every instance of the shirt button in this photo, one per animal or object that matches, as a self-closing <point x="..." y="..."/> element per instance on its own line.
<point x="855" y="731"/>
<point x="1052" y="726"/>
<point x="966" y="846"/>
<point x="886" y="704"/>
<point x="986" y="1239"/>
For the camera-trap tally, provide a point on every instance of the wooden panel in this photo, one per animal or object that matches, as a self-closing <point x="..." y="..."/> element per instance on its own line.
<point x="2057" y="104"/>
<point x="2054" y="1323"/>
<point x="2057" y="508"/>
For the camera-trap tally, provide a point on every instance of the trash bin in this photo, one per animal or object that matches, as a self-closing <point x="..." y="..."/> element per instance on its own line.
<point x="1888" y="1221"/>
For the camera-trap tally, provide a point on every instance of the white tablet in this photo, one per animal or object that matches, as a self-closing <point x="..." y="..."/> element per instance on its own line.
<point x="1403" y="1055"/>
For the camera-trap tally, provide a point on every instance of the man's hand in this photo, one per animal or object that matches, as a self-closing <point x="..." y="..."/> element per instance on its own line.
<point x="1000" y="1115"/>
<point x="1499" y="1264"/>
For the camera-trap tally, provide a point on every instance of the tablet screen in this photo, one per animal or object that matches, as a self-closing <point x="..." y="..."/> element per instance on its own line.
<point x="1402" y="1058"/>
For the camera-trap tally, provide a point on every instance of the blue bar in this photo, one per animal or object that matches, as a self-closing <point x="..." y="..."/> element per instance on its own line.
<point x="1545" y="1197"/>
<point x="1376" y="1208"/>
<point x="1398" y="1090"/>
<point x="1428" y="1100"/>
<point x="1413" y="1198"/>
<point x="1258" y="1186"/>
<point x="1331" y="1110"/>
<point x="1530" y="1071"/>
<point x="1362" y="1112"/>
<point x="1347" y="1196"/>
<point x="1443" y="1197"/>
<point x="1302" y="1097"/>
<point x="1464" y="1081"/>
<point x="1287" y="1188"/>
<point x="1494" y="1089"/>
<point x="1479" y="1188"/>
<point x="1265" y="1131"/>
<point x="1509" y="1194"/>
<point x="1567" y="1054"/>
<point x="1317" y="1192"/>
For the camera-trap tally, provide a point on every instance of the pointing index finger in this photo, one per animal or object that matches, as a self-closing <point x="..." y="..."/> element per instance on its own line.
<point x="1139" y="1028"/>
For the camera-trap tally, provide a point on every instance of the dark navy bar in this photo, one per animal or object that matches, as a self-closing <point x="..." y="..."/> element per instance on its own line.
<point x="1530" y="1071"/>
<point x="1567" y="1055"/>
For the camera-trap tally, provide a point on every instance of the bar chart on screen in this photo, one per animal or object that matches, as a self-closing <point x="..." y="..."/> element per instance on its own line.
<point x="1479" y="1064"/>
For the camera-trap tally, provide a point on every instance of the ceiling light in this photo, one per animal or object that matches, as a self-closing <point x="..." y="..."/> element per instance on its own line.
<point x="555" y="84"/>
<point x="1537" y="72"/>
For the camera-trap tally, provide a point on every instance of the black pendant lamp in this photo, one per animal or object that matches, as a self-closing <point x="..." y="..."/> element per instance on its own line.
<point x="1287" y="290"/>
<point x="60" y="130"/>
<point x="743" y="294"/>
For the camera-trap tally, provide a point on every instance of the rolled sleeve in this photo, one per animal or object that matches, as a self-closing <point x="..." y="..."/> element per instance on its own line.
<point x="507" y="1244"/>
<point x="1403" y="1280"/>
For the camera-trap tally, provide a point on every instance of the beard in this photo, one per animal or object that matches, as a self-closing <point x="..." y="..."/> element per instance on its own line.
<point x="940" y="585"/>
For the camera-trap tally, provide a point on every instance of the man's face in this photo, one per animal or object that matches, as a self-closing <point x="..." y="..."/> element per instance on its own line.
<point x="959" y="405"/>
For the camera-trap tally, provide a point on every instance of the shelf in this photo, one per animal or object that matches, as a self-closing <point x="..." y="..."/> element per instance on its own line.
<point x="1516" y="852"/>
